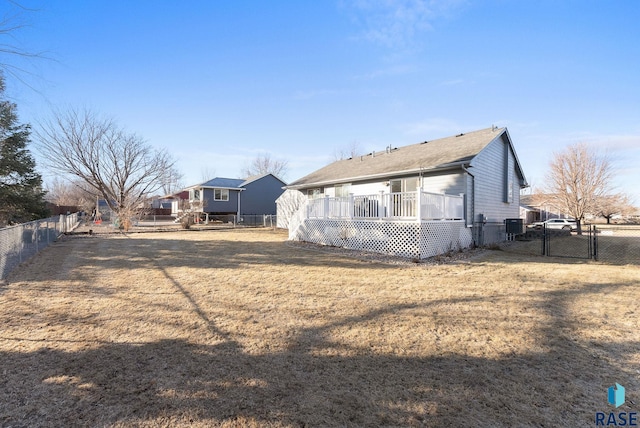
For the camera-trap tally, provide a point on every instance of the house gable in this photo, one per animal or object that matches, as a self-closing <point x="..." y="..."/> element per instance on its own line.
<point x="497" y="180"/>
<point x="260" y="194"/>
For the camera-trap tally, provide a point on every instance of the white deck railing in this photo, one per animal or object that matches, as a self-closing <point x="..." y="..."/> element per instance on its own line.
<point x="401" y="206"/>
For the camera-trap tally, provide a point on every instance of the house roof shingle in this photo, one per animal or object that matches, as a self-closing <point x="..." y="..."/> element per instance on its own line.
<point x="253" y="178"/>
<point x="437" y="154"/>
<point x="220" y="182"/>
<point x="231" y="183"/>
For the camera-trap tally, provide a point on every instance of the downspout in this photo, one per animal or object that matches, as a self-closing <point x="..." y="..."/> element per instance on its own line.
<point x="473" y="193"/>
<point x="239" y="193"/>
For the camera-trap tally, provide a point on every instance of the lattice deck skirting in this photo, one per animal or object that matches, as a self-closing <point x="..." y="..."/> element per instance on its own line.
<point x="406" y="239"/>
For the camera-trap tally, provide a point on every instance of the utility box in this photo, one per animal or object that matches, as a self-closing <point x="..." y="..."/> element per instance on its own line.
<point x="515" y="226"/>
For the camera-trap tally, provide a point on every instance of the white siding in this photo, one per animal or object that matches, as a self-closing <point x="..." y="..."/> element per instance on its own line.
<point x="451" y="184"/>
<point x="371" y="188"/>
<point x="489" y="168"/>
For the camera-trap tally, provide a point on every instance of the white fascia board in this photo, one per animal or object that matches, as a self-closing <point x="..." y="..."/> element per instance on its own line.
<point x="445" y="167"/>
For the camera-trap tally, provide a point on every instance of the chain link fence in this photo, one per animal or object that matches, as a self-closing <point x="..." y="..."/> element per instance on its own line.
<point x="564" y="243"/>
<point x="619" y="244"/>
<point x="248" y="220"/>
<point x="19" y="243"/>
<point x="256" y="220"/>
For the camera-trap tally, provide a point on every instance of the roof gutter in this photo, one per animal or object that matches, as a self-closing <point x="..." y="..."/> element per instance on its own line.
<point x="214" y="187"/>
<point x="445" y="167"/>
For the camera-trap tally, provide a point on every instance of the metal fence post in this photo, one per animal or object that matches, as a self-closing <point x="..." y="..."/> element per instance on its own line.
<point x="21" y="244"/>
<point x="595" y="243"/>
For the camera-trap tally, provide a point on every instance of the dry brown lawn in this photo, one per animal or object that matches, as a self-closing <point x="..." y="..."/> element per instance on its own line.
<point x="240" y="328"/>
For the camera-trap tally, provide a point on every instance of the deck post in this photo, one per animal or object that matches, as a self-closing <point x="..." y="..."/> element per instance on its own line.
<point x="350" y="206"/>
<point x="326" y="206"/>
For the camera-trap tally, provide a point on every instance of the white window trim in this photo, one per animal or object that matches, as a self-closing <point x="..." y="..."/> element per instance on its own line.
<point x="223" y="192"/>
<point x="192" y="194"/>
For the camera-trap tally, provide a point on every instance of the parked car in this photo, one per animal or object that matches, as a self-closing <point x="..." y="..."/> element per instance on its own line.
<point x="556" y="223"/>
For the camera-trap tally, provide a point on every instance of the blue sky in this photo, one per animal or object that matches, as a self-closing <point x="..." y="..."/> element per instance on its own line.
<point x="218" y="83"/>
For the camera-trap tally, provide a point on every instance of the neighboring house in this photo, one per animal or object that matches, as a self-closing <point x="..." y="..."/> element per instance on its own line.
<point x="55" y="209"/>
<point x="465" y="180"/>
<point x="539" y="207"/>
<point x="219" y="196"/>
<point x="166" y="201"/>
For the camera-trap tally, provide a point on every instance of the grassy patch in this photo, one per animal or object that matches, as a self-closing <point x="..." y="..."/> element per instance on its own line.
<point x="240" y="328"/>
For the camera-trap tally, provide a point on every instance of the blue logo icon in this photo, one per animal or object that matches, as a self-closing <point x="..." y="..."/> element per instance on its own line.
<point x="616" y="395"/>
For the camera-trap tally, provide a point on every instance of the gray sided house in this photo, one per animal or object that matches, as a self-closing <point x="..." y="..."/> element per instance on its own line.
<point x="254" y="195"/>
<point x="466" y="180"/>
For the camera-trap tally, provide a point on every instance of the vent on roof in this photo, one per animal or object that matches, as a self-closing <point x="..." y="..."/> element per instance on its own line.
<point x="459" y="135"/>
<point x="424" y="142"/>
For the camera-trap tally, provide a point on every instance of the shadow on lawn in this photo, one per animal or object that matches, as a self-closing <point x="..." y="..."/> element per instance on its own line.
<point x="173" y="382"/>
<point x="214" y="254"/>
<point x="561" y="381"/>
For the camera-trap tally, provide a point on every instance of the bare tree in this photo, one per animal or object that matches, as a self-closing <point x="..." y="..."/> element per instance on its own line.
<point x="118" y="166"/>
<point x="264" y="164"/>
<point x="207" y="173"/>
<point x="615" y="204"/>
<point x="71" y="193"/>
<point x="351" y="151"/>
<point x="172" y="182"/>
<point x="577" y="178"/>
<point x="12" y="22"/>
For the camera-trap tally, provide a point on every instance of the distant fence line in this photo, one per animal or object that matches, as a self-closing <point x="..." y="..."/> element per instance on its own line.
<point x="19" y="243"/>
<point x="250" y="220"/>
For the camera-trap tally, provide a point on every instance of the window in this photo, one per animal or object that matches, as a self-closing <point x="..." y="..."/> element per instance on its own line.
<point x="510" y="189"/>
<point x="409" y="184"/>
<point x="342" y="190"/>
<point x="220" y="194"/>
<point x="194" y="194"/>
<point x="508" y="175"/>
<point x="314" y="193"/>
